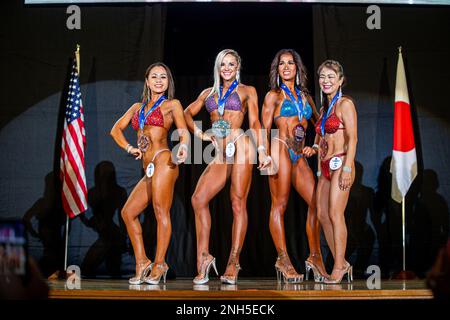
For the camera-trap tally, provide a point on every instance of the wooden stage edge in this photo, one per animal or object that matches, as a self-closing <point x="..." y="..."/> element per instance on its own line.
<point x="182" y="289"/>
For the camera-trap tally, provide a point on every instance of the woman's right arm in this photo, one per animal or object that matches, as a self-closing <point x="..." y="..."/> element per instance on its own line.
<point x="120" y="126"/>
<point x="315" y="113"/>
<point x="192" y="110"/>
<point x="310" y="151"/>
<point x="268" y="109"/>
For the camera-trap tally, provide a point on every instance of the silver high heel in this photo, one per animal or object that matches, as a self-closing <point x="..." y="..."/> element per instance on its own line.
<point x="139" y="279"/>
<point x="155" y="280"/>
<point x="348" y="270"/>
<point x="231" y="279"/>
<point x="204" y="272"/>
<point x="311" y="266"/>
<point x="282" y="275"/>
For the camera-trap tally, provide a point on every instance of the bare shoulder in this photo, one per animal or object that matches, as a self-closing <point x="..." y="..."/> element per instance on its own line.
<point x="346" y="103"/>
<point x="205" y="93"/>
<point x="247" y="89"/>
<point x="174" y="104"/>
<point x="308" y="97"/>
<point x="272" y="97"/>
<point x="134" y="107"/>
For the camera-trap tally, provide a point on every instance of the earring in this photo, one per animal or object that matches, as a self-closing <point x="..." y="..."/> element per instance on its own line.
<point x="238" y="75"/>
<point x="340" y="91"/>
<point x="297" y="80"/>
<point x="149" y="93"/>
<point x="278" y="80"/>
<point x="321" y="97"/>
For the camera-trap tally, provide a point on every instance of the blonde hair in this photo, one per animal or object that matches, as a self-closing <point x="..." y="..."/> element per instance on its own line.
<point x="217" y="64"/>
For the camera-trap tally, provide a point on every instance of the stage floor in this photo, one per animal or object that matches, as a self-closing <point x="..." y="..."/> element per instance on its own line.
<point x="248" y="289"/>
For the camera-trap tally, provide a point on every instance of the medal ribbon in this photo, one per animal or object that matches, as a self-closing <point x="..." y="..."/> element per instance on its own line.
<point x="142" y="117"/>
<point x="221" y="100"/>
<point x="298" y="102"/>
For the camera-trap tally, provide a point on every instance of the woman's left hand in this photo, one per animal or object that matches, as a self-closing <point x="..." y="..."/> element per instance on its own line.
<point x="182" y="153"/>
<point x="309" y="152"/>
<point x="264" y="161"/>
<point x="345" y="181"/>
<point x="137" y="153"/>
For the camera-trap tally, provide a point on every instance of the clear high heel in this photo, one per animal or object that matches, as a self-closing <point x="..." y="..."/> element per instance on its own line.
<point x="316" y="273"/>
<point x="139" y="278"/>
<point x="155" y="279"/>
<point x="287" y="274"/>
<point x="347" y="270"/>
<point x="231" y="279"/>
<point x="203" y="276"/>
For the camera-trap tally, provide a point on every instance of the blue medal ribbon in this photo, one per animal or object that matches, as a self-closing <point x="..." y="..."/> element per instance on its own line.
<point x="324" y="118"/>
<point x="221" y="100"/>
<point x="143" y="116"/>
<point x="298" y="102"/>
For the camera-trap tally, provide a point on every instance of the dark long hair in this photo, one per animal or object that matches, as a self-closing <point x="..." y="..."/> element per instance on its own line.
<point x="171" y="87"/>
<point x="300" y="67"/>
<point x="337" y="67"/>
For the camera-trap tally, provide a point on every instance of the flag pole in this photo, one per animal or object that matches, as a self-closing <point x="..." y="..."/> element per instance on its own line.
<point x="77" y="57"/>
<point x="404" y="233"/>
<point x="66" y="244"/>
<point x="403" y="216"/>
<point x="405" y="147"/>
<point x="404" y="274"/>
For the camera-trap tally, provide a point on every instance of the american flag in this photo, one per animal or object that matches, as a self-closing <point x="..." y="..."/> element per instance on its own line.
<point x="72" y="172"/>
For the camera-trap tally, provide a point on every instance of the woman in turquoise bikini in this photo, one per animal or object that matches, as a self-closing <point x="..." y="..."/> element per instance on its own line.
<point x="289" y="105"/>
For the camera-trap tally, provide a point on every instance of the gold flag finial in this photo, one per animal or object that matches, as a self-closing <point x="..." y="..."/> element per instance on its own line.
<point x="77" y="57"/>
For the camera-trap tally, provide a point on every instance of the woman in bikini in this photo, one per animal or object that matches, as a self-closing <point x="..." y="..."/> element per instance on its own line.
<point x="336" y="139"/>
<point x="152" y="119"/>
<point x="227" y="103"/>
<point x="289" y="105"/>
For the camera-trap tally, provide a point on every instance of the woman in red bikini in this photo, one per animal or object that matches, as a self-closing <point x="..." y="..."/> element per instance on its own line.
<point x="227" y="102"/>
<point x="152" y="119"/>
<point x="336" y="138"/>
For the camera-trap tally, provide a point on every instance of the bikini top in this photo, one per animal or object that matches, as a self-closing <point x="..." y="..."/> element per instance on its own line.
<point x="155" y="119"/>
<point x="232" y="103"/>
<point x="288" y="109"/>
<point x="332" y="124"/>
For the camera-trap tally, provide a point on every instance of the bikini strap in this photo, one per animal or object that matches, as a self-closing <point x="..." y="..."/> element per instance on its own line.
<point x="237" y="138"/>
<point x="158" y="152"/>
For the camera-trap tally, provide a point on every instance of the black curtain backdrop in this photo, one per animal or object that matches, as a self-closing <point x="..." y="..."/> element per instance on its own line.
<point x="118" y="42"/>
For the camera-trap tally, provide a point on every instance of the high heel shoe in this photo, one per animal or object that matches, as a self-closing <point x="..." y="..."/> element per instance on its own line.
<point x="203" y="276"/>
<point x="155" y="279"/>
<point x="139" y="278"/>
<point x="231" y="279"/>
<point x="316" y="273"/>
<point x="287" y="274"/>
<point x="347" y="270"/>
